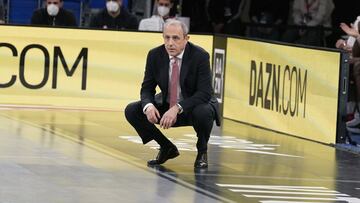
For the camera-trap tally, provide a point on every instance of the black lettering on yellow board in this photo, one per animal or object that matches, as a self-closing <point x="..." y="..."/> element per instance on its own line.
<point x="275" y="88"/>
<point x="22" y="66"/>
<point x="83" y="56"/>
<point x="293" y="77"/>
<point x="253" y="75"/>
<point x="290" y="81"/>
<point x="69" y="72"/>
<point x="14" y="53"/>
<point x="259" y="91"/>
<point x="268" y="71"/>
<point x="302" y="91"/>
<point x="286" y="73"/>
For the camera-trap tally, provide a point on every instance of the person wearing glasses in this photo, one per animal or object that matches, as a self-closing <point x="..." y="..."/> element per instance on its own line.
<point x="156" y="22"/>
<point x="182" y="72"/>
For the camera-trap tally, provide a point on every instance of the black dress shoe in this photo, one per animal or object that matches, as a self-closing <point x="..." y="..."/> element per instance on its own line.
<point x="201" y="160"/>
<point x="163" y="155"/>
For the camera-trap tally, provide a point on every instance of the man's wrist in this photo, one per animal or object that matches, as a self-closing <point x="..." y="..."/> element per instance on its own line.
<point x="180" y="108"/>
<point x="146" y="107"/>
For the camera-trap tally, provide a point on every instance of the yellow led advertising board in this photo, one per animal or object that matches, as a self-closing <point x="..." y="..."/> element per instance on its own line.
<point x="288" y="89"/>
<point x="75" y="68"/>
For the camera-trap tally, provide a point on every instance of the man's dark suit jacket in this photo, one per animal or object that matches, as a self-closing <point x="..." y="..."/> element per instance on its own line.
<point x="195" y="78"/>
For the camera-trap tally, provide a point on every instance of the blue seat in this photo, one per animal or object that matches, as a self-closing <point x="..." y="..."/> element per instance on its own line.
<point x="75" y="6"/>
<point x="125" y="3"/>
<point x="97" y="4"/>
<point x="20" y="12"/>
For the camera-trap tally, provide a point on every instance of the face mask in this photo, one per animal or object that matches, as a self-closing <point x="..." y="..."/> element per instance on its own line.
<point x="163" y="10"/>
<point x="112" y="6"/>
<point x="52" y="9"/>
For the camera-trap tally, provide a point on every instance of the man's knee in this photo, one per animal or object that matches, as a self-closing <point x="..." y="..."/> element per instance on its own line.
<point x="203" y="112"/>
<point x="131" y="110"/>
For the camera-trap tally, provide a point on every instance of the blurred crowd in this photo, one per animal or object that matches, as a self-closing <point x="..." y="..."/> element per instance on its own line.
<point x="308" y="22"/>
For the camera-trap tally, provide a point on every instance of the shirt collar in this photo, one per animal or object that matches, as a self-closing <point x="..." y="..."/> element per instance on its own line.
<point x="180" y="56"/>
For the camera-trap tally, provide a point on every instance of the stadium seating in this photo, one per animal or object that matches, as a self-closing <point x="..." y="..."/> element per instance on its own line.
<point x="20" y="12"/>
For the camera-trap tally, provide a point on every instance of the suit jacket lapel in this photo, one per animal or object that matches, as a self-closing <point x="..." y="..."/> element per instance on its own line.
<point x="164" y="77"/>
<point x="185" y="64"/>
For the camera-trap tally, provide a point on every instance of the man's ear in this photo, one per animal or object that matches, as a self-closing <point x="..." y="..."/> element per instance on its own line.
<point x="187" y="37"/>
<point x="61" y="4"/>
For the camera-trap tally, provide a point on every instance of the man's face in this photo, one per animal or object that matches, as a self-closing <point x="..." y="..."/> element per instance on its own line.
<point x="174" y="39"/>
<point x="55" y="2"/>
<point x="165" y="3"/>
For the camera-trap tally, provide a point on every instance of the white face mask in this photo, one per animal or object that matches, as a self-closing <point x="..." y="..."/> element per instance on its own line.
<point x="52" y="9"/>
<point x="112" y="6"/>
<point x="163" y="10"/>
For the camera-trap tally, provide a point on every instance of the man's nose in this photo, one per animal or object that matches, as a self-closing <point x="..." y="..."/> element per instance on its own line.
<point x="171" y="41"/>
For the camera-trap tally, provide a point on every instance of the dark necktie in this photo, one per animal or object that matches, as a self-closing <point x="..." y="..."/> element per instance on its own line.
<point x="174" y="81"/>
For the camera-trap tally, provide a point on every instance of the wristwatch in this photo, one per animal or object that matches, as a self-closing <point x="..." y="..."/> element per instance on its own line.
<point x="180" y="108"/>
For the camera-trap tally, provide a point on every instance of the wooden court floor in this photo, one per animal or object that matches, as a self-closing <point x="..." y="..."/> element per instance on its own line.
<point x="246" y="164"/>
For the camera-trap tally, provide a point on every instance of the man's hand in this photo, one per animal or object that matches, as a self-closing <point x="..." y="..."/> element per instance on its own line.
<point x="340" y="44"/>
<point x="152" y="114"/>
<point x="349" y="30"/>
<point x="169" y="118"/>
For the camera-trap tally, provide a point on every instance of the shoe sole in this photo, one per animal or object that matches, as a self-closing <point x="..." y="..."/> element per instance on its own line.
<point x="174" y="155"/>
<point x="201" y="167"/>
<point x="170" y="157"/>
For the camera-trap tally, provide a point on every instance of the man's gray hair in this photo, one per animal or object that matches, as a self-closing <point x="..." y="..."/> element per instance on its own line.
<point x="177" y="23"/>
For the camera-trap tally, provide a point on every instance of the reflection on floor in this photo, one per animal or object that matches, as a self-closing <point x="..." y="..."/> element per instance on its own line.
<point x="352" y="143"/>
<point x="246" y="164"/>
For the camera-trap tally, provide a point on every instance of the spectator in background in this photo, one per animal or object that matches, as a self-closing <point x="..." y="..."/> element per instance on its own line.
<point x="344" y="11"/>
<point x="237" y="12"/>
<point x="348" y="44"/>
<point x="268" y="13"/>
<point x="352" y="45"/>
<point x="2" y="13"/>
<point x="219" y="13"/>
<point x="156" y="22"/>
<point x="197" y="12"/>
<point x="141" y="8"/>
<point x="114" y="16"/>
<point x="227" y="16"/>
<point x="53" y="15"/>
<point x="309" y="13"/>
<point x="354" y="124"/>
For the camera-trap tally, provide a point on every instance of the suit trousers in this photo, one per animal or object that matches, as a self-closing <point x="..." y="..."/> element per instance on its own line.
<point x="201" y="118"/>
